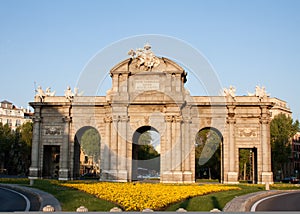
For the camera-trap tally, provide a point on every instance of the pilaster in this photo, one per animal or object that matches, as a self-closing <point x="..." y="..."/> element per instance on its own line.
<point x="267" y="175"/>
<point x="232" y="174"/>
<point x="64" y="150"/>
<point x="34" y="170"/>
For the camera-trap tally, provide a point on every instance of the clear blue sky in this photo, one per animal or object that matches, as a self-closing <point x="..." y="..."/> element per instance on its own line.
<point x="249" y="43"/>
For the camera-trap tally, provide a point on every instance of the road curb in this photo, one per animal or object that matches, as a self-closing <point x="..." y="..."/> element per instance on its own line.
<point x="244" y="203"/>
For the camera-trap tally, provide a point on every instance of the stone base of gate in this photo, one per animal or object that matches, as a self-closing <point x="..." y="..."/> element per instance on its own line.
<point x="177" y="177"/>
<point x="34" y="173"/>
<point x="266" y="177"/>
<point x="188" y="177"/>
<point x="232" y="178"/>
<point x="122" y="175"/>
<point x="63" y="175"/>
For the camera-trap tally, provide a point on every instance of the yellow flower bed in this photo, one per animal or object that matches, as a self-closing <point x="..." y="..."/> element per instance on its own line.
<point x="139" y="196"/>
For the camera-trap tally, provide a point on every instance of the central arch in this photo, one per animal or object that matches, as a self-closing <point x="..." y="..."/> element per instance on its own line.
<point x="208" y="154"/>
<point x="146" y="153"/>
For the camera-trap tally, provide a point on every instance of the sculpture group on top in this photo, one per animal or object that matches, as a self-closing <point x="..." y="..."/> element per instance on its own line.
<point x="260" y="92"/>
<point x="69" y="94"/>
<point x="146" y="58"/>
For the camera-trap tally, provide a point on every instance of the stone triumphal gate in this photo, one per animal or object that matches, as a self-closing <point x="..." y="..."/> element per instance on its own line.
<point x="148" y="92"/>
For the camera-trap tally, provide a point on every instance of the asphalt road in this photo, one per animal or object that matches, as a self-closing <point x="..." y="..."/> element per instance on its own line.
<point x="281" y="202"/>
<point x="11" y="200"/>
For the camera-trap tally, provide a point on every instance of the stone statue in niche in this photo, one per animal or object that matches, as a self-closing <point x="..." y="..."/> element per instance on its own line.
<point x="146" y="58"/>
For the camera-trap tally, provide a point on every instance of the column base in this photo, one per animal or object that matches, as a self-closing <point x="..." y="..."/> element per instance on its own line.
<point x="34" y="173"/>
<point x="267" y="177"/>
<point x="177" y="177"/>
<point x="166" y="177"/>
<point x="122" y="175"/>
<point x="188" y="177"/>
<point x="232" y="178"/>
<point x="63" y="175"/>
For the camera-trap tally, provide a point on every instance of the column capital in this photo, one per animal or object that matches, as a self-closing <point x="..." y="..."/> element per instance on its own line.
<point x="124" y="118"/>
<point x="187" y="120"/>
<point x="231" y="120"/>
<point x="37" y="119"/>
<point x="169" y="118"/>
<point x="115" y="118"/>
<point x="264" y="121"/>
<point x="67" y="119"/>
<point x="178" y="118"/>
<point x="107" y="119"/>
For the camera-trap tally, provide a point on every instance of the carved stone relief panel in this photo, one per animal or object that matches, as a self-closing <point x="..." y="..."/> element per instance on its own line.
<point x="53" y="130"/>
<point x="248" y="132"/>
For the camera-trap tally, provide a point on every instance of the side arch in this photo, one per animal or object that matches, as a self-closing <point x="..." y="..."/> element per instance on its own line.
<point x="87" y="150"/>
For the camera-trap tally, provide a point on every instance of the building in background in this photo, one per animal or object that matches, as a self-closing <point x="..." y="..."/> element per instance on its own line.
<point x="12" y="115"/>
<point x="280" y="107"/>
<point x="295" y="157"/>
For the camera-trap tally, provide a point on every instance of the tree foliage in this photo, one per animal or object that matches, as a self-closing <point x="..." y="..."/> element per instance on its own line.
<point x="146" y="151"/>
<point x="90" y="143"/>
<point x="244" y="164"/>
<point x="15" y="148"/>
<point x="282" y="129"/>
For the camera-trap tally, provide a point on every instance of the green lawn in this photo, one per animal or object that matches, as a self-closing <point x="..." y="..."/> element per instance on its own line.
<point x="71" y="199"/>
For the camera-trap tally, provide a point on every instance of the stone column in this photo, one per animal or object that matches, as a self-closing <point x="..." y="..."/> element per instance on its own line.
<point x="186" y="152"/>
<point x="232" y="176"/>
<point x="177" y="149"/>
<point x="178" y="143"/>
<point x="64" y="150"/>
<point x="114" y="147"/>
<point x="34" y="170"/>
<point x="267" y="175"/>
<point x="105" y="160"/>
<point x="122" y="148"/>
<point x="166" y="175"/>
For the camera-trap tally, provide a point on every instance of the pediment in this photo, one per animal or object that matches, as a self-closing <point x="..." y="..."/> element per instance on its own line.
<point x="133" y="66"/>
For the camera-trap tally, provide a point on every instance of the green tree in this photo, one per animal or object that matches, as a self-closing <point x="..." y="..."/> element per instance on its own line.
<point x="6" y="136"/>
<point x="282" y="129"/>
<point x="15" y="148"/>
<point x="90" y="143"/>
<point x="244" y="164"/>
